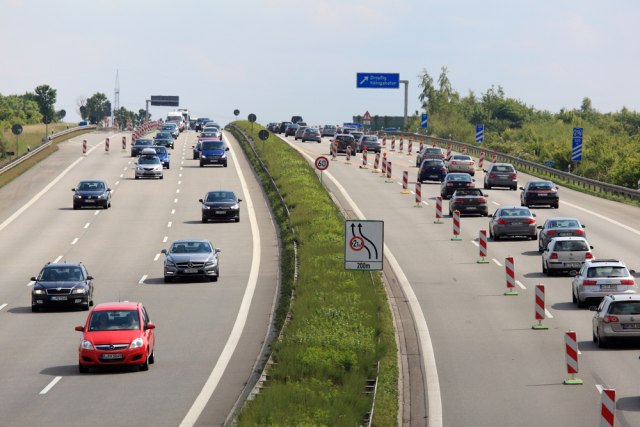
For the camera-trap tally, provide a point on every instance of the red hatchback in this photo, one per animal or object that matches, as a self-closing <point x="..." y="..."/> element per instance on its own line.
<point x="116" y="334"/>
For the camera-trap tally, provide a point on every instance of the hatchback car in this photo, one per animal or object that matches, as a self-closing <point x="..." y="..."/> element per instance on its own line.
<point x="149" y="165"/>
<point x="311" y="134"/>
<point x="617" y="318"/>
<point x="429" y="153"/>
<point x="165" y="139"/>
<point x="468" y="201"/>
<point x="501" y="175"/>
<point x="200" y="121"/>
<point x="329" y="130"/>
<point x="213" y="152"/>
<point x="220" y="205"/>
<point x="453" y="181"/>
<point x="461" y="163"/>
<point x="600" y="277"/>
<point x="173" y="128"/>
<point x="538" y="193"/>
<point x="139" y="145"/>
<point x="163" y="155"/>
<point x="565" y="254"/>
<point x="343" y="141"/>
<point x="370" y="142"/>
<point x="432" y="170"/>
<point x="196" y="150"/>
<point x="299" y="132"/>
<point x="191" y="258"/>
<point x="117" y="334"/>
<point x="559" y="227"/>
<point x="62" y="285"/>
<point x="512" y="221"/>
<point x="93" y="193"/>
<point x="210" y="134"/>
<point x="291" y="130"/>
<point x="282" y="127"/>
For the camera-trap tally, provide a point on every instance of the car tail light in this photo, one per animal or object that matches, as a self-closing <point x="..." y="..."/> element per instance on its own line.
<point x="453" y="162"/>
<point x="482" y="200"/>
<point x="458" y="200"/>
<point x="449" y="184"/>
<point x="552" y="233"/>
<point x="531" y="221"/>
<point x="627" y="282"/>
<point x="553" y="255"/>
<point x="589" y="282"/>
<point x="580" y="232"/>
<point x="472" y="163"/>
<point x="444" y="170"/>
<point x="588" y="255"/>
<point x="514" y="176"/>
<point x="492" y="175"/>
<point x="610" y="319"/>
<point x="502" y="222"/>
<point x="468" y="184"/>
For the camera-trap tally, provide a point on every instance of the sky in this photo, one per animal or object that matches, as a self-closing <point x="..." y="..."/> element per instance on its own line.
<point x="278" y="58"/>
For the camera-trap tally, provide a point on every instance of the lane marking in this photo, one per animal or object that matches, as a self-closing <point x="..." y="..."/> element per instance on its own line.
<point x="50" y="386"/>
<point x="600" y="388"/>
<point x="57" y="259"/>
<point x="75" y="241"/>
<point x="612" y="221"/>
<point x="165" y="239"/>
<point x="87" y="225"/>
<point x="179" y="182"/>
<point x="125" y="168"/>
<point x="495" y="203"/>
<point x="475" y="243"/>
<point x="2" y="306"/>
<point x="31" y="283"/>
<point x="173" y="211"/>
<point x="520" y="284"/>
<point x="141" y="281"/>
<point x="497" y="262"/>
<point x="234" y="337"/>
<point x="175" y="200"/>
<point x="180" y="175"/>
<point x="156" y="257"/>
<point x="169" y="224"/>
<point x="121" y="175"/>
<point x="178" y="190"/>
<point x="113" y="191"/>
<point x="548" y="314"/>
<point x="117" y="182"/>
<point x="96" y="213"/>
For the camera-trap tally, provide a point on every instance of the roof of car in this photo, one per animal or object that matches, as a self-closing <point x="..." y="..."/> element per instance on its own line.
<point x="116" y="306"/>
<point x="195" y="239"/>
<point x="619" y="297"/>
<point x="604" y="262"/>
<point x="564" y="238"/>
<point x="63" y="264"/>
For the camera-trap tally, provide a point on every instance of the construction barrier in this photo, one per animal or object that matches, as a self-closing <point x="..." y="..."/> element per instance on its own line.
<point x="384" y="141"/>
<point x="481" y="160"/>
<point x="539" y="308"/>
<point x="376" y="163"/>
<point x="84" y="146"/>
<point x="434" y="143"/>
<point x="464" y="149"/>
<point x="401" y="144"/>
<point x="106" y="145"/>
<point x="482" y="244"/>
<point x="348" y="161"/>
<point x="421" y="147"/>
<point x="608" y="408"/>
<point x="456" y="225"/>
<point x="571" y="357"/>
<point x="449" y="150"/>
<point x="384" y="165"/>
<point x="511" y="276"/>
<point x="495" y="156"/>
<point x="364" y="158"/>
<point x="438" y="210"/>
<point x="393" y="144"/>
<point x="334" y="151"/>
<point x="410" y="146"/>
<point x="389" y="177"/>
<point x="418" y="195"/>
<point x="405" y="182"/>
<point x="124" y="143"/>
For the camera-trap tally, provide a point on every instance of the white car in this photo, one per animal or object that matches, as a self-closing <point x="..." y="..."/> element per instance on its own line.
<point x="601" y="277"/>
<point x="564" y="254"/>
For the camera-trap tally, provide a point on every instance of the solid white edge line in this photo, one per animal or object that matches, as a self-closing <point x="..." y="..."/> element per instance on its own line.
<point x="2" y="306"/>
<point x="141" y="281"/>
<point x="57" y="259"/>
<point x="495" y="203"/>
<point x="433" y="397"/>
<point x="234" y="337"/>
<point x="520" y="284"/>
<point x="50" y="385"/>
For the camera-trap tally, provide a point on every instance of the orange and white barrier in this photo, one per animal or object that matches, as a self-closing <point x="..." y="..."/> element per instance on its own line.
<point x="608" y="408"/>
<point x="449" y="150"/>
<point x="482" y="244"/>
<point x="418" y="194"/>
<point x="393" y="144"/>
<point x="539" y="308"/>
<point x="434" y="143"/>
<point x="384" y="140"/>
<point x="481" y="160"/>
<point x="389" y="177"/>
<point x="84" y="146"/>
<point x="410" y="146"/>
<point x="376" y="163"/>
<point x="348" y="161"/>
<point x="405" y="182"/>
<point x="124" y="143"/>
<point x="464" y="149"/>
<point x="364" y="158"/>
<point x="334" y="151"/>
<point x="495" y="156"/>
<point x="421" y="146"/>
<point x="438" y="210"/>
<point x="571" y="357"/>
<point x="511" y="276"/>
<point x="456" y="225"/>
<point x="106" y="145"/>
<point x="384" y="165"/>
<point x="401" y="144"/>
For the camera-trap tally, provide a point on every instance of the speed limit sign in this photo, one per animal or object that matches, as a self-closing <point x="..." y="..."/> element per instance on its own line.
<point x="322" y="163"/>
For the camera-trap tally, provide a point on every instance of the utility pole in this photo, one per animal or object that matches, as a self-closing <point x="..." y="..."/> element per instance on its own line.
<point x="406" y="102"/>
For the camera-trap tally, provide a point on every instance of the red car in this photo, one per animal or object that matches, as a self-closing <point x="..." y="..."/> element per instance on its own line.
<point x="117" y="334"/>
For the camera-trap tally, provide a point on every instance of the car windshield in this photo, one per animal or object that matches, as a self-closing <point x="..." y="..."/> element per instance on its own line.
<point x="212" y="145"/>
<point x="169" y="126"/>
<point x="566" y="223"/>
<point x="61" y="274"/>
<point x="148" y="160"/>
<point x="433" y="162"/>
<point x="114" y="320"/>
<point x="143" y="142"/>
<point x="221" y="196"/>
<point x="344" y="138"/>
<point x="461" y="157"/>
<point x="625" y="307"/>
<point x="209" y="135"/>
<point x="515" y="212"/>
<point x="190" y="248"/>
<point x="607" y="271"/>
<point x="432" y="150"/>
<point x="91" y="186"/>
<point x="571" y="245"/>
<point x="370" y="139"/>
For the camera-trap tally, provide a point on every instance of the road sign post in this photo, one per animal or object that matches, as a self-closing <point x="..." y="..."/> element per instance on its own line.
<point x="479" y="134"/>
<point x="363" y="245"/>
<point x="424" y="121"/>
<point x="321" y="163"/>
<point x="576" y="145"/>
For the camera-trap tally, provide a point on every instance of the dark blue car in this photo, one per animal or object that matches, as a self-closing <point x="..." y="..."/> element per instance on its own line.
<point x="432" y="170"/>
<point x="213" y="152"/>
<point x="163" y="155"/>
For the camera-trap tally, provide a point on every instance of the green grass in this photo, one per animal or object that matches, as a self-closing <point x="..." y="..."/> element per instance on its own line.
<point x="340" y="324"/>
<point x="31" y="136"/>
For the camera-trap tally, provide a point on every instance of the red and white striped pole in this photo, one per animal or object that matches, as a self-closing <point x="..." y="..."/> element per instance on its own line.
<point x="405" y="182"/>
<point x="384" y="140"/>
<point x="348" y="161"/>
<point x="389" y="177"/>
<point x="334" y="151"/>
<point x="495" y="156"/>
<point x="511" y="276"/>
<point x="449" y="150"/>
<point x="124" y="143"/>
<point x="434" y="143"/>
<point x="482" y="244"/>
<point x="393" y="144"/>
<point x="481" y="160"/>
<point x="608" y="408"/>
<point x="84" y="146"/>
<point x="539" y="308"/>
<point x="410" y="147"/>
<point x="438" y="210"/>
<point x="456" y="225"/>
<point x="401" y="143"/>
<point x="364" y="158"/>
<point x="106" y="145"/>
<point x="418" y="195"/>
<point x="384" y="165"/>
<point x="421" y="146"/>
<point x="376" y="163"/>
<point x="571" y="358"/>
<point x="464" y="149"/>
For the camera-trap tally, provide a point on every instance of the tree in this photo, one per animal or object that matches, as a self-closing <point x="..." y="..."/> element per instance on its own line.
<point x="45" y="96"/>
<point x="81" y="104"/>
<point x="97" y="108"/>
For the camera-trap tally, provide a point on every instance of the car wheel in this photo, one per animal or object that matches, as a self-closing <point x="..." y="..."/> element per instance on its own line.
<point x="161" y="176"/>
<point x="237" y="219"/>
<point x="85" y="307"/>
<point x="555" y="206"/>
<point x="514" y="188"/>
<point x="602" y="342"/>
<point x="225" y="165"/>
<point x="593" y="334"/>
<point x="487" y="187"/>
<point x="544" y="269"/>
<point x="168" y="279"/>
<point x="82" y="369"/>
<point x="573" y="298"/>
<point x="214" y="279"/>
<point x="35" y="309"/>
<point x="145" y="366"/>
<point x="136" y="177"/>
<point x="201" y="165"/>
<point x="580" y="303"/>
<point x="76" y="207"/>
<point x="204" y="220"/>
<point x="496" y="237"/>
<point x="168" y="166"/>
<point x="152" y="358"/>
<point x="450" y="213"/>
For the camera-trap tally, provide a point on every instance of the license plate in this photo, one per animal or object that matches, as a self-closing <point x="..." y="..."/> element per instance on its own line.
<point x="190" y="270"/>
<point x="471" y="208"/>
<point x="631" y="326"/>
<point x="564" y="234"/>
<point x="59" y="298"/>
<point x="572" y="265"/>
<point x="112" y="356"/>
<point x="220" y="212"/>
<point x="608" y="287"/>
<point x="90" y="201"/>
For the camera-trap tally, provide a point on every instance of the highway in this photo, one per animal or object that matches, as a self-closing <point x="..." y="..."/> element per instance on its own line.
<point x="493" y="369"/>
<point x="208" y="335"/>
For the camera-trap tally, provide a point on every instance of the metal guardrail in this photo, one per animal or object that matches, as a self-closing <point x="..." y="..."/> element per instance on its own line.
<point x="46" y="142"/>
<point x="532" y="167"/>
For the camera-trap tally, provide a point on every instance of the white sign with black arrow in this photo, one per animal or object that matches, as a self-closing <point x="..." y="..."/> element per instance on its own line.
<point x="363" y="244"/>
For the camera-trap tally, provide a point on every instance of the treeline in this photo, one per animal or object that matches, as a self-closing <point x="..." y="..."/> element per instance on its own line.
<point x="610" y="145"/>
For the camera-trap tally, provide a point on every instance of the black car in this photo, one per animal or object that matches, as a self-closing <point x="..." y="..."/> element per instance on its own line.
<point x="139" y="145"/>
<point x="165" y="139"/>
<point x="93" y="193"/>
<point x="429" y="153"/>
<point x="283" y="126"/>
<point x="201" y="121"/>
<point x="220" y="205"/>
<point x="453" y="181"/>
<point x="432" y="170"/>
<point x="291" y="130"/>
<point x="196" y="150"/>
<point x="540" y="192"/>
<point x="296" y="119"/>
<point x="469" y="201"/>
<point x="62" y="285"/>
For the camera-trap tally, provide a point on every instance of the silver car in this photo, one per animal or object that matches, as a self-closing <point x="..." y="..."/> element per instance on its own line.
<point x="501" y="175"/>
<point x="601" y="277"/>
<point x="565" y="254"/>
<point x="191" y="258"/>
<point x="617" y="318"/>
<point x="559" y="227"/>
<point x="461" y="163"/>
<point x="511" y="221"/>
<point x="149" y="165"/>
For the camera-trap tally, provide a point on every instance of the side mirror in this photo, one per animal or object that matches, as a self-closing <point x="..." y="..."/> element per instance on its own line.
<point x="218" y="250"/>
<point x="330" y="139"/>
<point x="539" y="227"/>
<point x="591" y="247"/>
<point x="521" y="188"/>
<point x="164" y="251"/>
<point x="593" y="308"/>
<point x="584" y="226"/>
<point x="108" y="189"/>
<point x="534" y="215"/>
<point x="73" y="189"/>
<point x="79" y="328"/>
<point x="151" y="325"/>
<point x="201" y="201"/>
<point x="239" y="200"/>
<point x="89" y="277"/>
<point x="33" y="279"/>
<point x="632" y="272"/>
<point x="226" y="149"/>
<point x="490" y="216"/>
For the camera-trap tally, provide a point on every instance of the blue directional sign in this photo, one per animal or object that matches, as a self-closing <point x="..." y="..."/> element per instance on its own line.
<point x="576" y="145"/>
<point x="424" y="121"/>
<point x="377" y="80"/>
<point x="479" y="134"/>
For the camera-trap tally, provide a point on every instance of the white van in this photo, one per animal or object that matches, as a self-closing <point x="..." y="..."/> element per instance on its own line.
<point x="176" y="117"/>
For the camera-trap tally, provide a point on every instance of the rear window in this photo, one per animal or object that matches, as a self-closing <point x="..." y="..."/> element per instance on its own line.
<point x="515" y="212"/>
<point x="625" y="307"/>
<point x="464" y="177"/>
<point x="432" y="151"/>
<point x="604" y="271"/>
<point x="344" y="138"/>
<point x="564" y="224"/>
<point x="469" y="192"/>
<point x="503" y="168"/>
<point x="570" y="245"/>
<point x="461" y="157"/>
<point x="433" y="162"/>
<point x="541" y="186"/>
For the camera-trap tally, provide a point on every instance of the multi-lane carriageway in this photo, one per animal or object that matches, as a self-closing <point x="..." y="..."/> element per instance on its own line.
<point x="209" y="335"/>
<point x="483" y="363"/>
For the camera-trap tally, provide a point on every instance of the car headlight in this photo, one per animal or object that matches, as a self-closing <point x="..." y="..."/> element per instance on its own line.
<point x="224" y="155"/>
<point x="169" y="262"/>
<point x="211" y="263"/>
<point x="86" y="345"/>
<point x="203" y="156"/>
<point x="101" y="196"/>
<point x="79" y="291"/>
<point x="77" y="196"/>
<point x="235" y="207"/>
<point x="137" y="343"/>
<point x="38" y="291"/>
<point x="205" y="207"/>
<point x="139" y="168"/>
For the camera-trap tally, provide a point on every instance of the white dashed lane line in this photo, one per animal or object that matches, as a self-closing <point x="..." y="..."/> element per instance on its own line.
<point x="173" y="211"/>
<point x="96" y="213"/>
<point x="87" y="225"/>
<point x="50" y="386"/>
<point x="495" y="203"/>
<point x="117" y="182"/>
<point x="141" y="281"/>
<point x="31" y="283"/>
<point x="2" y="306"/>
<point x="177" y="191"/>
<point x="155" y="258"/>
<point x="175" y="200"/>
<point x="169" y="224"/>
<point x="75" y="241"/>
<point x="520" y="284"/>
<point x="57" y="259"/>
<point x="497" y="262"/>
<point x="548" y="313"/>
<point x="164" y="240"/>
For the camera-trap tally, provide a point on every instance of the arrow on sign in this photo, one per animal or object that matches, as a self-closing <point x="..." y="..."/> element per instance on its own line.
<point x="366" y="79"/>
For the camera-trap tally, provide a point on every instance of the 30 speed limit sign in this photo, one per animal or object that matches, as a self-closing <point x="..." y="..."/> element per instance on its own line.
<point x="322" y="163"/>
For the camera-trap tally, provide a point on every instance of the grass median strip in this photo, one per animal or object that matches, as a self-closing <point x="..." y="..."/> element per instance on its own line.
<point x="340" y="324"/>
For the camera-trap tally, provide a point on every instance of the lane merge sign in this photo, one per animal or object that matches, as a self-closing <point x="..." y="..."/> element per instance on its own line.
<point x="322" y="163"/>
<point x="424" y="121"/>
<point x="479" y="134"/>
<point x="378" y="80"/>
<point x="576" y="145"/>
<point x="363" y="244"/>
